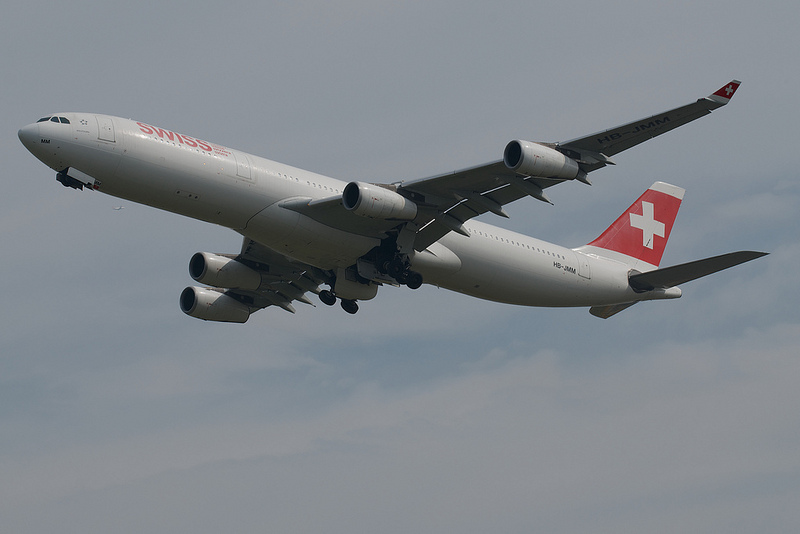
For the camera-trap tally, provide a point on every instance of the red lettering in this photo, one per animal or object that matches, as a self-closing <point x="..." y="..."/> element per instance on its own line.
<point x="172" y="136"/>
<point x="164" y="133"/>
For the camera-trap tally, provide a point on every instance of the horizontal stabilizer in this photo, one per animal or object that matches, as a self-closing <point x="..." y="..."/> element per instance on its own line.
<point x="686" y="272"/>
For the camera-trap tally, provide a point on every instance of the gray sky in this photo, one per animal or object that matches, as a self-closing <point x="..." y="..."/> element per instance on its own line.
<point x="428" y="411"/>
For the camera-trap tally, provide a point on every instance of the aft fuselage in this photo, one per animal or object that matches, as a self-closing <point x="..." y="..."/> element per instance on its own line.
<point x="192" y="177"/>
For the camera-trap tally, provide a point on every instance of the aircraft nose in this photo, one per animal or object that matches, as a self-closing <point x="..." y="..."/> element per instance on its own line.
<point x="29" y="135"/>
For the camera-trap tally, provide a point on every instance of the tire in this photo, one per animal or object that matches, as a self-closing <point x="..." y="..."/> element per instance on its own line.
<point x="350" y="306"/>
<point x="414" y="280"/>
<point x="327" y="297"/>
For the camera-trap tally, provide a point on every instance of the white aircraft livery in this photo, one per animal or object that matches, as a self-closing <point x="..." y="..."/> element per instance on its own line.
<point x="304" y="231"/>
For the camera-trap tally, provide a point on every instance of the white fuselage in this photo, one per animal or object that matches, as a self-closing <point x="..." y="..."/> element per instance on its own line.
<point x="195" y="178"/>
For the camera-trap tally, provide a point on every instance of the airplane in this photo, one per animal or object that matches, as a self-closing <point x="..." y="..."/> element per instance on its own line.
<point x="302" y="231"/>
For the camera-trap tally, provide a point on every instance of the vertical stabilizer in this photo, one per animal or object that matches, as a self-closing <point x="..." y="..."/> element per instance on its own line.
<point x="639" y="236"/>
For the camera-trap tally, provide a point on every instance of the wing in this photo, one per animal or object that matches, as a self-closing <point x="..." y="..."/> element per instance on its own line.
<point x="283" y="281"/>
<point x="331" y="212"/>
<point x="446" y="201"/>
<point x="615" y="140"/>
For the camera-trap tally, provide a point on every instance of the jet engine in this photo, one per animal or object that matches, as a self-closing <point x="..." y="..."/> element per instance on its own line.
<point x="533" y="159"/>
<point x="221" y="271"/>
<point x="213" y="305"/>
<point x="376" y="202"/>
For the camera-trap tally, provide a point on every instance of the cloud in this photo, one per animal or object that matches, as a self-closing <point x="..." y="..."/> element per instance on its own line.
<point x="651" y="430"/>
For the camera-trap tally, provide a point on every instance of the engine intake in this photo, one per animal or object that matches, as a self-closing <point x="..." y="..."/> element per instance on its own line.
<point x="533" y="159"/>
<point x="221" y="271"/>
<point x="375" y="202"/>
<point x="213" y="305"/>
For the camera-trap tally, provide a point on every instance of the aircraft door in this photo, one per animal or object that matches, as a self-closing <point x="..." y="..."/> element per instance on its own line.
<point x="105" y="128"/>
<point x="584" y="268"/>
<point x="242" y="165"/>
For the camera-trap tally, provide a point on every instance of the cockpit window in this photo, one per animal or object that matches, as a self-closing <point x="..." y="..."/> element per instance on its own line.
<point x="62" y="120"/>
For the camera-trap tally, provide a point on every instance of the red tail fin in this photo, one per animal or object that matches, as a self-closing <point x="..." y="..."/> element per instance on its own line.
<point x="642" y="231"/>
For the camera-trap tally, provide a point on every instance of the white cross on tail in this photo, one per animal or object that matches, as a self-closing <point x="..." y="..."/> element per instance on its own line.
<point x="648" y="224"/>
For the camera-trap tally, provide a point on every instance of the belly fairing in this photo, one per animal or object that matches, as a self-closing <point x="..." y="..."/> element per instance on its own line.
<point x="306" y="240"/>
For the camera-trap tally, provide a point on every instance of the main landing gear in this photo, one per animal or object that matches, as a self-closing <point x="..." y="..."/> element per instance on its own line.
<point x="399" y="268"/>
<point x="328" y="298"/>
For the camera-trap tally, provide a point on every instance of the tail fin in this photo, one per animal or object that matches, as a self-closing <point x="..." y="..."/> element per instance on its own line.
<point x="639" y="236"/>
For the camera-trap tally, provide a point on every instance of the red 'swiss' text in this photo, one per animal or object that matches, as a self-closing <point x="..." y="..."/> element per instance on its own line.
<point x="174" y="137"/>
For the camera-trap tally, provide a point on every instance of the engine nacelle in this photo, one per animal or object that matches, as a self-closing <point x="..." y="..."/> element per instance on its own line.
<point x="376" y="202"/>
<point x="533" y="159"/>
<point x="219" y="271"/>
<point x="212" y="305"/>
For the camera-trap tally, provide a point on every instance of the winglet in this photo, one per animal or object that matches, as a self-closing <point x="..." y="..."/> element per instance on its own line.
<point x="725" y="93"/>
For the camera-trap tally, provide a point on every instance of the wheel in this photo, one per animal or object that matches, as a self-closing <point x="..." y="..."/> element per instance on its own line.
<point x="350" y="306"/>
<point x="414" y="280"/>
<point x="327" y="297"/>
<point x="396" y="268"/>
